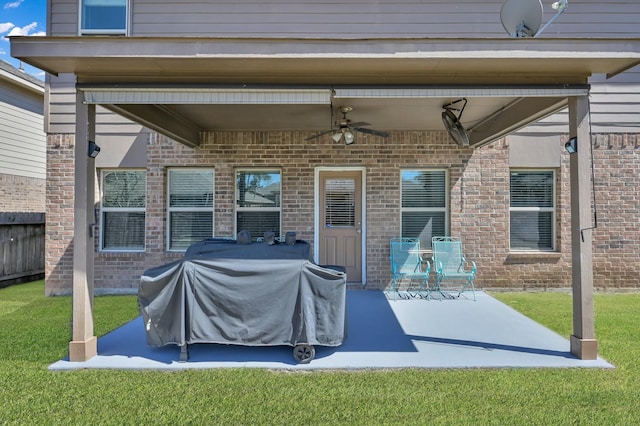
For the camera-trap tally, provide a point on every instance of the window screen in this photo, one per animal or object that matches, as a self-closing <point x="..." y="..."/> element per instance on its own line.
<point x="258" y="202"/>
<point x="190" y="207"/>
<point x="532" y="210"/>
<point x="424" y="204"/>
<point x="123" y="210"/>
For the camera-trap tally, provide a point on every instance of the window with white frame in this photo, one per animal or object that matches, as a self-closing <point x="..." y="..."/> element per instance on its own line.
<point x="190" y="207"/>
<point x="532" y="210"/>
<point x="424" y="205"/>
<point x="103" y="16"/>
<point x="122" y="210"/>
<point x="258" y="201"/>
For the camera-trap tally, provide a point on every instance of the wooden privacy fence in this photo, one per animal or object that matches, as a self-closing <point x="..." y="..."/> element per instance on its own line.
<point x="21" y="247"/>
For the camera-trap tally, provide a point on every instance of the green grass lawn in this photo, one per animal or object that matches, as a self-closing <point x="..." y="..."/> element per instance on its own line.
<point x="35" y="332"/>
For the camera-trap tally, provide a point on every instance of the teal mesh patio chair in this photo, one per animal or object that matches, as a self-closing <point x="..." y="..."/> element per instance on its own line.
<point x="407" y="264"/>
<point x="449" y="264"/>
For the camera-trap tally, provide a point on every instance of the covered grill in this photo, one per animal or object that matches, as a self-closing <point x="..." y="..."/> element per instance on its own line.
<point x="253" y="294"/>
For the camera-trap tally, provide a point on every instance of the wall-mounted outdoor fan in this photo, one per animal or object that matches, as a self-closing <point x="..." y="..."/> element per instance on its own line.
<point x="452" y="122"/>
<point x="344" y="129"/>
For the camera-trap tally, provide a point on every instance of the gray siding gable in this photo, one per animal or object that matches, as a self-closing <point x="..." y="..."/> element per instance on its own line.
<point x="22" y="137"/>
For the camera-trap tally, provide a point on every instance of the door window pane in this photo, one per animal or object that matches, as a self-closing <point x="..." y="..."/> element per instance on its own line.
<point x="340" y="199"/>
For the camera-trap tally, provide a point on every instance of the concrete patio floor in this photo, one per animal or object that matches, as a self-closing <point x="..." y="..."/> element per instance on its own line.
<point x="382" y="334"/>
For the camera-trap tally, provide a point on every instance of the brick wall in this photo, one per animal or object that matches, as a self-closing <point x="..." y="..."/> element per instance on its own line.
<point x="617" y="238"/>
<point x="59" y="214"/>
<point x="21" y="194"/>
<point x="479" y="194"/>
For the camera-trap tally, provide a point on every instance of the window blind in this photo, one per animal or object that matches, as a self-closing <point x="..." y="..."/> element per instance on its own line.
<point x="340" y="198"/>
<point x="122" y="207"/>
<point x="424" y="204"/>
<point x="532" y="205"/>
<point x="191" y="202"/>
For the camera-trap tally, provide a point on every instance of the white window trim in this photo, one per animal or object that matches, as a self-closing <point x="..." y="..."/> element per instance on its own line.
<point x="254" y="209"/>
<point x="125" y="31"/>
<point x="536" y="209"/>
<point x="103" y="209"/>
<point x="187" y="209"/>
<point x="444" y="209"/>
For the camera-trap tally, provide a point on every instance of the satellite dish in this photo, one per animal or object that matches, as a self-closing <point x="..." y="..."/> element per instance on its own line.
<point x="452" y="123"/>
<point x="521" y="18"/>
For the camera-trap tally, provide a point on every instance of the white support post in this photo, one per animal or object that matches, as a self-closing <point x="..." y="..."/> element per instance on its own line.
<point x="583" y="342"/>
<point x="84" y="344"/>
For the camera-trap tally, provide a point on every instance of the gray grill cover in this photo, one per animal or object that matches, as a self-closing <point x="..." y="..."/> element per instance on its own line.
<point x="256" y="294"/>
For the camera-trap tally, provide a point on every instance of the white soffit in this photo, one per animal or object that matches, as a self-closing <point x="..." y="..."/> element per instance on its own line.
<point x="209" y="96"/>
<point x="468" y="92"/>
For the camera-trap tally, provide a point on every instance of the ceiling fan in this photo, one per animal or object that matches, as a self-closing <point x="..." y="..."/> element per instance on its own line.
<point x="452" y="122"/>
<point x="344" y="129"/>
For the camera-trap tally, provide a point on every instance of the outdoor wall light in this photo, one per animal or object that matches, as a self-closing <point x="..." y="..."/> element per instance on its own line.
<point x="572" y="145"/>
<point x="94" y="149"/>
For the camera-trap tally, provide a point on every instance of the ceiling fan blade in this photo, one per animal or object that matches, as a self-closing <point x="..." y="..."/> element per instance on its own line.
<point x="359" y="124"/>
<point x="317" y="135"/>
<point x="371" y="131"/>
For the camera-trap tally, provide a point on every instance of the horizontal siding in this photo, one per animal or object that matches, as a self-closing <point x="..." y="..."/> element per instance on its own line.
<point x="22" y="138"/>
<point x="357" y="19"/>
<point x="366" y="19"/>
<point x="353" y="18"/>
<point x="62" y="104"/>
<point x="63" y="18"/>
<point x="614" y="104"/>
<point x="62" y="101"/>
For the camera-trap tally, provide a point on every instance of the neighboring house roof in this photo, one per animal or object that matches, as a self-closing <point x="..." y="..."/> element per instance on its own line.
<point x="20" y="78"/>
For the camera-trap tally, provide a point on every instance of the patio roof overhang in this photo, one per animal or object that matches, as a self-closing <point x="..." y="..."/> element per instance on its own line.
<point x="182" y="86"/>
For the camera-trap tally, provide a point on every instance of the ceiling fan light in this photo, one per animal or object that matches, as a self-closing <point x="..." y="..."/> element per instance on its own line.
<point x="337" y="136"/>
<point x="349" y="137"/>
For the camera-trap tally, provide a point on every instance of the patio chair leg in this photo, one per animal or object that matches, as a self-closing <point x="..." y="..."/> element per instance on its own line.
<point x="473" y="290"/>
<point x="394" y="289"/>
<point x="424" y="287"/>
<point x="439" y="288"/>
<point x="409" y="289"/>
